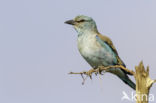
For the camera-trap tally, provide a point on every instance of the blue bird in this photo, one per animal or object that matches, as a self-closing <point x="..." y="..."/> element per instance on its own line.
<point x="96" y="49"/>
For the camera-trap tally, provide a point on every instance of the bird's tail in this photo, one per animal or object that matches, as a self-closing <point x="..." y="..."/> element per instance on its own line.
<point x="129" y="82"/>
<point x="123" y="76"/>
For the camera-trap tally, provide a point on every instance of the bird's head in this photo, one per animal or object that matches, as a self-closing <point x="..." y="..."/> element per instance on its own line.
<point x="83" y="23"/>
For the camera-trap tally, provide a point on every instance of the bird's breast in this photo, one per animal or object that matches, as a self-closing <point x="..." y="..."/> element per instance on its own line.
<point x="93" y="52"/>
<point x="87" y="45"/>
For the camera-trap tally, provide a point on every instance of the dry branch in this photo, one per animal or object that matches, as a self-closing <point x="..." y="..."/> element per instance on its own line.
<point x="143" y="83"/>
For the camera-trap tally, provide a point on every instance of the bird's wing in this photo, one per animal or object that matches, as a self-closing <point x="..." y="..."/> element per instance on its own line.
<point x="107" y="40"/>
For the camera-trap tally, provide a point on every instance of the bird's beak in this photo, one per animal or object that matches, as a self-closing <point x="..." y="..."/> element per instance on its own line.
<point x="71" y="22"/>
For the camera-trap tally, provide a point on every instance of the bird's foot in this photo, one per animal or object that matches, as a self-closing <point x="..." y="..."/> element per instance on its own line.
<point x="90" y="72"/>
<point x="101" y="70"/>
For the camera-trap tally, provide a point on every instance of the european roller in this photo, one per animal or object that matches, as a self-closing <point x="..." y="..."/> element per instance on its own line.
<point x="96" y="49"/>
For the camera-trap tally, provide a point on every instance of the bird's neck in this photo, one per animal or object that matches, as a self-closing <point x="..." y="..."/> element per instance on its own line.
<point x="87" y="32"/>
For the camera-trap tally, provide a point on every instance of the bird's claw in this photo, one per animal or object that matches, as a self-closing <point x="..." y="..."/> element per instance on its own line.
<point x="89" y="73"/>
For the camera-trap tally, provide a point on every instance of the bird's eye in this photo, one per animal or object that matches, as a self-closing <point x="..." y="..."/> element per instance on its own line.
<point x="81" y="21"/>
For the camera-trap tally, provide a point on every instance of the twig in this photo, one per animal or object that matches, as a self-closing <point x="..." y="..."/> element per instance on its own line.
<point x="99" y="70"/>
